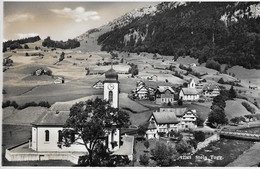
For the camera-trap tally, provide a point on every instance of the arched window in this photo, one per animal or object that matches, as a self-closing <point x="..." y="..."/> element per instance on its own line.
<point x="110" y="96"/>
<point x="60" y="136"/>
<point x="47" y="135"/>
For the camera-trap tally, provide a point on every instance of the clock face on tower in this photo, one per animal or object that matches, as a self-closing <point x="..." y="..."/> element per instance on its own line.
<point x="110" y="86"/>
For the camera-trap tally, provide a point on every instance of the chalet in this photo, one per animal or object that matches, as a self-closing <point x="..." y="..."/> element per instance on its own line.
<point x="211" y="90"/>
<point x="142" y="92"/>
<point x="164" y="94"/>
<point x="98" y="85"/>
<point x="168" y="119"/>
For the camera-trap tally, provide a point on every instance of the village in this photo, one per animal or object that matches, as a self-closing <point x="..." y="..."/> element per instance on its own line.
<point x="147" y="84"/>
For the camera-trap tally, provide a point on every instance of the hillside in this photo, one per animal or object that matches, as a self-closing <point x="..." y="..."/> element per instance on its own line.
<point x="226" y="31"/>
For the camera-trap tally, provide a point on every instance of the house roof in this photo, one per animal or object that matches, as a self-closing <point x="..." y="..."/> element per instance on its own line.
<point x="151" y="125"/>
<point x="189" y="91"/>
<point x="99" y="81"/>
<point x="162" y="89"/>
<point x="211" y="87"/>
<point x="165" y="117"/>
<point x="52" y="118"/>
<point x="139" y="88"/>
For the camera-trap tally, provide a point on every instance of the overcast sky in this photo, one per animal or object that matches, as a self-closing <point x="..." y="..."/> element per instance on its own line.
<point x="60" y="20"/>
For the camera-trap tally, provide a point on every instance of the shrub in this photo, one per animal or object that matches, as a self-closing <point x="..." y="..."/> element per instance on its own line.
<point x="144" y="159"/>
<point x="48" y="72"/>
<point x="146" y="144"/>
<point x="183" y="147"/>
<point x="248" y="107"/>
<point x="199" y="136"/>
<point x="26" y="46"/>
<point x="44" y="104"/>
<point x="6" y="104"/>
<point x="163" y="154"/>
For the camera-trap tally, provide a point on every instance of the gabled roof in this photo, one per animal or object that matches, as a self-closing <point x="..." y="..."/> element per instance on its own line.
<point x="189" y="91"/>
<point x="52" y="118"/>
<point x="138" y="89"/>
<point x="162" y="89"/>
<point x="165" y="117"/>
<point x="99" y="81"/>
<point x="151" y="125"/>
<point x="211" y="87"/>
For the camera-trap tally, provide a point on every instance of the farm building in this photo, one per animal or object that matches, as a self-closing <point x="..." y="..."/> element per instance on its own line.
<point x="164" y="94"/>
<point x="152" y="78"/>
<point x="170" y="119"/>
<point x="142" y="92"/>
<point x="98" y="85"/>
<point x="211" y="90"/>
<point x="59" y="80"/>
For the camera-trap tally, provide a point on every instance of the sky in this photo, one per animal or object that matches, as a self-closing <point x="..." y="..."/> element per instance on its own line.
<point x="60" y="20"/>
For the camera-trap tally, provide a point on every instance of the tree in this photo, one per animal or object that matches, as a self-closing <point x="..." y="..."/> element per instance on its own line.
<point x="26" y="46"/>
<point x="26" y="54"/>
<point x="146" y="144"/>
<point x="199" y="136"/>
<point x="183" y="147"/>
<point x="180" y="102"/>
<point x="235" y="120"/>
<point x="163" y="154"/>
<point x="141" y="130"/>
<point x="232" y="93"/>
<point x="89" y="122"/>
<point x="217" y="117"/>
<point x="221" y="81"/>
<point x="199" y="121"/>
<point x="36" y="48"/>
<point x="256" y="104"/>
<point x="62" y="56"/>
<point x="144" y="159"/>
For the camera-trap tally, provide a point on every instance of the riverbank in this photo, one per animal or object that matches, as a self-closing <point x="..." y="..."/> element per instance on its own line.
<point x="249" y="158"/>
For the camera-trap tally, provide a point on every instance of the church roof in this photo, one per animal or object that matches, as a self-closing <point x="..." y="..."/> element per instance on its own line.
<point x="52" y="118"/>
<point x="111" y="74"/>
<point x="189" y="91"/>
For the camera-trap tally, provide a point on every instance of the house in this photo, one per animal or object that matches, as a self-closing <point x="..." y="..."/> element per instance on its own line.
<point x="98" y="85"/>
<point x="170" y="119"/>
<point x="140" y="83"/>
<point x="46" y="132"/>
<point x="142" y="92"/>
<point x="211" y="90"/>
<point x="59" y="80"/>
<point x="164" y="94"/>
<point x="193" y="64"/>
<point x="152" y="78"/>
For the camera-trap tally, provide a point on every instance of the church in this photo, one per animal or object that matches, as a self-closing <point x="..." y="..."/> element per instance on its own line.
<point x="46" y="142"/>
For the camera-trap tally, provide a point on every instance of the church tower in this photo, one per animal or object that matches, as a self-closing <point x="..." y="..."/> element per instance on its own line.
<point x="111" y="87"/>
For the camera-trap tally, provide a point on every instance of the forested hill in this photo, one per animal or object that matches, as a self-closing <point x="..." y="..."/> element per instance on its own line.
<point x="228" y="32"/>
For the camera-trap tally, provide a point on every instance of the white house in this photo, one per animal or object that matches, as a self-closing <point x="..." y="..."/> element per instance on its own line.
<point x="142" y="92"/>
<point x="98" y="85"/>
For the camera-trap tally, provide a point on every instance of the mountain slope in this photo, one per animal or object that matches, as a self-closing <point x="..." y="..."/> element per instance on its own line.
<point x="229" y="32"/>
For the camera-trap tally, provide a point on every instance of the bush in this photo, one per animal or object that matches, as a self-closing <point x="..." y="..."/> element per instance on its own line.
<point x="183" y="147"/>
<point x="248" y="107"/>
<point x="26" y="46"/>
<point x="44" y="104"/>
<point x="144" y="159"/>
<point x="146" y="144"/>
<point x="163" y="154"/>
<point x="199" y="136"/>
